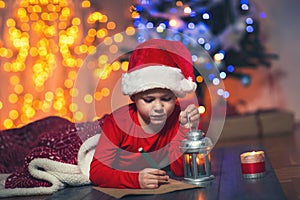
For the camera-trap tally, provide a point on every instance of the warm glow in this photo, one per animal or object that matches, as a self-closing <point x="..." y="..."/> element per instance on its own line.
<point x="13" y="114"/>
<point x="124" y="66"/>
<point x="173" y="22"/>
<point x="8" y="123"/>
<point x="73" y="107"/>
<point x="116" y="66"/>
<point x="85" y="4"/>
<point x="135" y="14"/>
<point x="130" y="30"/>
<point x="2" y="4"/>
<point x="98" y="96"/>
<point x="199" y="79"/>
<point x="113" y="49"/>
<point x="88" y="98"/>
<point x="111" y="25"/>
<point x="201" y="110"/>
<point x="179" y="3"/>
<point x="187" y="10"/>
<point x="46" y="43"/>
<point x="105" y="92"/>
<point x="200" y="159"/>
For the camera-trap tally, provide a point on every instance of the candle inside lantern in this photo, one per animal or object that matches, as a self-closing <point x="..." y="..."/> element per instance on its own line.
<point x="196" y="148"/>
<point x="253" y="164"/>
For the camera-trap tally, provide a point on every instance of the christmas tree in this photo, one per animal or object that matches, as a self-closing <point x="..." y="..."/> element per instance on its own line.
<point x="228" y="30"/>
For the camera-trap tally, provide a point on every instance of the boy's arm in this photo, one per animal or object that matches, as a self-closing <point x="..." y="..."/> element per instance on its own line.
<point x="101" y="171"/>
<point x="104" y="176"/>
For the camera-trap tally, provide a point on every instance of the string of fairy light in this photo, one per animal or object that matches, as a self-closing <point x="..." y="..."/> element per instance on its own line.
<point x="44" y="44"/>
<point x="192" y="21"/>
<point x="41" y="38"/>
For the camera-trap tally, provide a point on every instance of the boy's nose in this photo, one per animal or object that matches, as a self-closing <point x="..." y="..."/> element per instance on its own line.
<point x="158" y="106"/>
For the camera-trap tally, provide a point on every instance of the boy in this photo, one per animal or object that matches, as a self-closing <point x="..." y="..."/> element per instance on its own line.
<point x="159" y="72"/>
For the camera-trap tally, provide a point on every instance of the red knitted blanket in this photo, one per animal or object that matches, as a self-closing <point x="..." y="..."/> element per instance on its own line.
<point x="53" y="138"/>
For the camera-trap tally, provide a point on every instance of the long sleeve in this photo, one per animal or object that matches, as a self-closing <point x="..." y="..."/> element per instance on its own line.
<point x="102" y="172"/>
<point x="117" y="162"/>
<point x="104" y="176"/>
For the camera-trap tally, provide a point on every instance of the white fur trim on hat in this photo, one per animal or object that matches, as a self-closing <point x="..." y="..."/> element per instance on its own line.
<point x="158" y="76"/>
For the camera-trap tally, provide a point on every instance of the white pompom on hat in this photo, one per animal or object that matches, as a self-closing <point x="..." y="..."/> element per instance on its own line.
<point x="159" y="63"/>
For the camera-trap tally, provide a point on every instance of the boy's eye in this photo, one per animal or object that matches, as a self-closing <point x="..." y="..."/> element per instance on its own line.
<point x="166" y="99"/>
<point x="148" y="100"/>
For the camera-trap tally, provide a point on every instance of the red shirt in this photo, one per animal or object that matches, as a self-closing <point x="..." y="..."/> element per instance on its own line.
<point x="117" y="162"/>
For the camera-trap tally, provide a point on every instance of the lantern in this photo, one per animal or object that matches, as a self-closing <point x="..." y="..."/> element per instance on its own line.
<point x="196" y="157"/>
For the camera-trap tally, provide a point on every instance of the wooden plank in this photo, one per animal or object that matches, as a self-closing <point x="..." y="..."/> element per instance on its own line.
<point x="287" y="173"/>
<point x="291" y="188"/>
<point x="228" y="182"/>
<point x="72" y="193"/>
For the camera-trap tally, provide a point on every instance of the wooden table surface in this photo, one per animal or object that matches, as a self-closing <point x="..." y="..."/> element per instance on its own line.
<point x="228" y="182"/>
<point x="283" y="152"/>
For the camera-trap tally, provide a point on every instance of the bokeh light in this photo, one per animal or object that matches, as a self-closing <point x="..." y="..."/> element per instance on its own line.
<point x="46" y="39"/>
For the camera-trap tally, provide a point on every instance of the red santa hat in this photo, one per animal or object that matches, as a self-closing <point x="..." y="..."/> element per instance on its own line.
<point x="159" y="63"/>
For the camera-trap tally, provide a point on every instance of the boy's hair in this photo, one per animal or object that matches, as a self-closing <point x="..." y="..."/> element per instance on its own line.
<point x="159" y="63"/>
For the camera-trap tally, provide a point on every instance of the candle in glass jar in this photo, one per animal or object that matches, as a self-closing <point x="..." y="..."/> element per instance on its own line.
<point x="253" y="164"/>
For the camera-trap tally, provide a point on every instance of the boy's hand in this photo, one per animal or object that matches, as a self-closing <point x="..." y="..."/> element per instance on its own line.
<point x="151" y="178"/>
<point x="194" y="117"/>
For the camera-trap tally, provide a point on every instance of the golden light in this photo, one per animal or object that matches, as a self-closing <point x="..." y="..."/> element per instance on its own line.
<point x="2" y="4"/>
<point x="13" y="114"/>
<point x="18" y="89"/>
<point x="78" y="116"/>
<point x="135" y="14"/>
<point x="98" y="96"/>
<point x="73" y="92"/>
<point x="116" y="66"/>
<point x="118" y="37"/>
<point x="159" y="29"/>
<point x="111" y="25"/>
<point x="187" y="10"/>
<point x="173" y="22"/>
<point x="218" y="57"/>
<point x="13" y="98"/>
<point x="179" y="3"/>
<point x="8" y="123"/>
<point x="113" y="49"/>
<point x="68" y="83"/>
<point x="105" y="92"/>
<point x="73" y="107"/>
<point x="124" y="66"/>
<point x="201" y="109"/>
<point x="130" y="30"/>
<point x="47" y="42"/>
<point x="10" y="22"/>
<point x="102" y="33"/>
<point x="88" y="98"/>
<point x="199" y="79"/>
<point x="85" y="4"/>
<point x="49" y="96"/>
<point x="14" y="80"/>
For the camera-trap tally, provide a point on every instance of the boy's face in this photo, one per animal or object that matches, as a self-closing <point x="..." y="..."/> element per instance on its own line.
<point x="154" y="106"/>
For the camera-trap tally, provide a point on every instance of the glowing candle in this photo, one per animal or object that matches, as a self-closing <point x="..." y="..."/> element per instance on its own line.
<point x="253" y="164"/>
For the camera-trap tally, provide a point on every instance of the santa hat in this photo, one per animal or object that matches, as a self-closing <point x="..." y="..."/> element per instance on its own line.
<point x="159" y="63"/>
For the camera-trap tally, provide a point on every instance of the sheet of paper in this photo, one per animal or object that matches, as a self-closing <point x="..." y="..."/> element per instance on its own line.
<point x="174" y="185"/>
